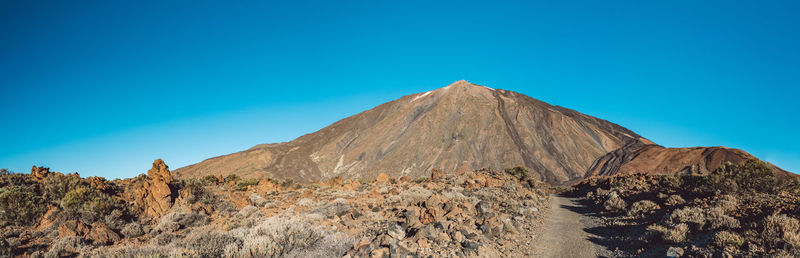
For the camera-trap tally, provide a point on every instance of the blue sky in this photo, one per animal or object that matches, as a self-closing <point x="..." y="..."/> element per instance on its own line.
<point x="106" y="87"/>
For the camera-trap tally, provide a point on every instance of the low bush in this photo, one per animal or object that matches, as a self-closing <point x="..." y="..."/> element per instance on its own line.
<point x="717" y="219"/>
<point x="689" y="215"/>
<point x="643" y="207"/>
<point x="8" y="179"/>
<point x="674" y="200"/>
<point x="614" y="203"/>
<point x="207" y="243"/>
<point x="211" y="179"/>
<point x="518" y="172"/>
<point x="727" y="238"/>
<point x="90" y="204"/>
<point x="751" y="175"/>
<point x="280" y="237"/>
<point x="676" y="234"/>
<point x="727" y="202"/>
<point x="56" y="186"/>
<point x="232" y="178"/>
<point x="132" y="230"/>
<point x="66" y="247"/>
<point x="164" y="238"/>
<point x="780" y="229"/>
<point x="20" y="205"/>
<point x="178" y="220"/>
<point x="243" y="184"/>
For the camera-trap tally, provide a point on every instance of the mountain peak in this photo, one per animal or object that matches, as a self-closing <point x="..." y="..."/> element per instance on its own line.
<point x="461" y="83"/>
<point x="460" y="127"/>
<point x="464" y="83"/>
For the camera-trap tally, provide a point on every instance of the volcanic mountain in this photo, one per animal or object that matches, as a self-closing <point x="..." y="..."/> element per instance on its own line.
<point x="457" y="128"/>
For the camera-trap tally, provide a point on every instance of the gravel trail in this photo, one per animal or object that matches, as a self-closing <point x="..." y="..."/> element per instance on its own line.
<point x="563" y="233"/>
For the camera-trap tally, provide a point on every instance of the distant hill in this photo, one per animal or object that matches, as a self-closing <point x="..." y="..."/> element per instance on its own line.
<point x="654" y="159"/>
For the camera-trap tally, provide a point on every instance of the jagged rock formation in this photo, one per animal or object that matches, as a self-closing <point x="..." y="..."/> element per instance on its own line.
<point x="40" y="173"/>
<point x="155" y="194"/>
<point x="461" y="127"/>
<point x="655" y="159"/>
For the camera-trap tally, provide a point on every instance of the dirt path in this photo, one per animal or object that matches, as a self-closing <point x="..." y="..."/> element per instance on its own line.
<point x="563" y="232"/>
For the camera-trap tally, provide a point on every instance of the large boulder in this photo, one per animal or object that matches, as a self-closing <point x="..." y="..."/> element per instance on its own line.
<point x="155" y="194"/>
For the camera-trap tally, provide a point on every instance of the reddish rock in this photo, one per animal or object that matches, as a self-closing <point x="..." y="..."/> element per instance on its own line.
<point x="382" y="178"/>
<point x="266" y="185"/>
<point x="155" y="195"/>
<point x="40" y="173"/>
<point x="436" y="174"/>
<point x="101" y="234"/>
<point x="72" y="228"/>
<point x="99" y="183"/>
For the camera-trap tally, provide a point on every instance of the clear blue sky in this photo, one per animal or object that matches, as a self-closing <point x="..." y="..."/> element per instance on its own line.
<point x="106" y="87"/>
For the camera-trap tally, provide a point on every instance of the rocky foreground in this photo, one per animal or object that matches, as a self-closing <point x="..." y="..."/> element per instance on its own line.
<point x="481" y="213"/>
<point x="737" y="210"/>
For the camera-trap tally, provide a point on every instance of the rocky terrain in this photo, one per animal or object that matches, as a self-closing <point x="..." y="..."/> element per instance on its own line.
<point x="461" y="127"/>
<point x="482" y="213"/>
<point x="737" y="210"/>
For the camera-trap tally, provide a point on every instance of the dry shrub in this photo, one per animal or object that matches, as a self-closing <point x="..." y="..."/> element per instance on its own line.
<point x="672" y="181"/>
<point x="727" y="202"/>
<point x="717" y="219"/>
<point x="249" y="216"/>
<point x="727" y="238"/>
<point x="283" y="237"/>
<point x="674" y="200"/>
<point x="655" y="231"/>
<point x="614" y="203"/>
<point x="164" y="238"/>
<point x="207" y="243"/>
<point x="643" y="207"/>
<point x="690" y="215"/>
<point x="177" y="220"/>
<point x="134" y="250"/>
<point x="67" y="246"/>
<point x="676" y="234"/>
<point x="779" y="228"/>
<point x="132" y="230"/>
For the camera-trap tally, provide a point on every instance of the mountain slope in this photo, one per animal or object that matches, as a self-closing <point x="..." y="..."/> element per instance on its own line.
<point x="456" y="128"/>
<point x="655" y="159"/>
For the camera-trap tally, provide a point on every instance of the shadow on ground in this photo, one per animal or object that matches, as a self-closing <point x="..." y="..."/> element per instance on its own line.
<point x="613" y="237"/>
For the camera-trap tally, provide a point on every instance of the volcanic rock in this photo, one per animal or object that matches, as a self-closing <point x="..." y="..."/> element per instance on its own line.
<point x="40" y="173"/>
<point x="155" y="195"/>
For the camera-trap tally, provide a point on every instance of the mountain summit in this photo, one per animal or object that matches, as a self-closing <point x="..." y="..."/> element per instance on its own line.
<point x="457" y="128"/>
